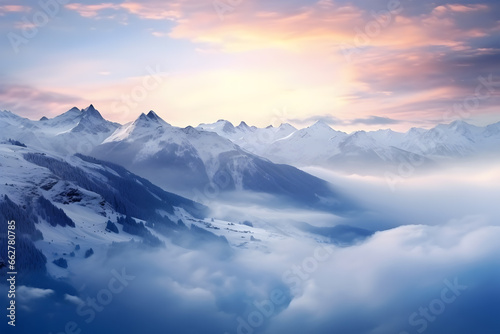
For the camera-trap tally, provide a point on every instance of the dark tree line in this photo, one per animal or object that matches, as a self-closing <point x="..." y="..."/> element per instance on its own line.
<point x="132" y="227"/>
<point x="60" y="262"/>
<point x="16" y="142"/>
<point x="127" y="193"/>
<point x="110" y="226"/>
<point x="29" y="260"/>
<point x="53" y="214"/>
<point x="24" y="217"/>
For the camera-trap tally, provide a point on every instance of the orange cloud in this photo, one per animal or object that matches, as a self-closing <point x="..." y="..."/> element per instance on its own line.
<point x="248" y="27"/>
<point x="326" y="24"/>
<point x="295" y="60"/>
<point x="322" y="25"/>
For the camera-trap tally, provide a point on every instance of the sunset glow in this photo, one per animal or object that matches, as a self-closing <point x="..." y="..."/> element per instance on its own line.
<point x="407" y="63"/>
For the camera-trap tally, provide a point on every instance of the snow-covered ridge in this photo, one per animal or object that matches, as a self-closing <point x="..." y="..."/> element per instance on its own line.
<point x="385" y="149"/>
<point x="75" y="131"/>
<point x="82" y="130"/>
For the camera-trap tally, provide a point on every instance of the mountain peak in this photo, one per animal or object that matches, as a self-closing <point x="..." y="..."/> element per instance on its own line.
<point x="152" y="115"/>
<point x="286" y="126"/>
<point x="243" y="125"/>
<point x="320" y="122"/>
<point x="143" y="117"/>
<point x="44" y="118"/>
<point x="459" y="122"/>
<point x="320" y="125"/>
<point x="228" y="126"/>
<point x="68" y="116"/>
<point x="90" y="111"/>
<point x="150" y="119"/>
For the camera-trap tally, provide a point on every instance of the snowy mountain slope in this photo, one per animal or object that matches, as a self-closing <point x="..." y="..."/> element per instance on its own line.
<point x="75" y="131"/>
<point x="72" y="200"/>
<point x="180" y="160"/>
<point x="457" y="139"/>
<point x="311" y="145"/>
<point x="247" y="137"/>
<point x="189" y="160"/>
<point x="69" y="207"/>
<point x="320" y="145"/>
<point x="361" y="153"/>
<point x="228" y="157"/>
<point x="365" y="152"/>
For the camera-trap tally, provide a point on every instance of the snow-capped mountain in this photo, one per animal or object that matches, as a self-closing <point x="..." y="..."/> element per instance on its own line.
<point x="248" y="137"/>
<point x="192" y="162"/>
<point x="320" y="145"/>
<point x="361" y="151"/>
<point x="61" y="202"/>
<point x="75" y="131"/>
<point x="457" y="139"/>
<point x="71" y="208"/>
<point x="220" y="157"/>
<point x="309" y="146"/>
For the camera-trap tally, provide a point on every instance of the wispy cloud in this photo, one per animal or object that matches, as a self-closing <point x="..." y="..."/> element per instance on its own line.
<point x="264" y="55"/>
<point x="13" y="8"/>
<point x="460" y="8"/>
<point x="374" y="120"/>
<point x="329" y="119"/>
<point x="332" y="120"/>
<point x="33" y="102"/>
<point x="91" y="10"/>
<point x="150" y="10"/>
<point x="26" y="293"/>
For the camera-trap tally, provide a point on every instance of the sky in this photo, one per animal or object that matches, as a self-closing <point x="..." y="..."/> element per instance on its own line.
<point x="354" y="64"/>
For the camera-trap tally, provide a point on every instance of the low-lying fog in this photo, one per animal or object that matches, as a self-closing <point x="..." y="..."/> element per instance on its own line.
<point x="431" y="266"/>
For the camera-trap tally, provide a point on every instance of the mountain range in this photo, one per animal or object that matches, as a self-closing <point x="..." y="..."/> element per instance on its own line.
<point x="192" y="162"/>
<point x="220" y="160"/>
<point x="198" y="149"/>
<point x="362" y="152"/>
<point x="85" y="191"/>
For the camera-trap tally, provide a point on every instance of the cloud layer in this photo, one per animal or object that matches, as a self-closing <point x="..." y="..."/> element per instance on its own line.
<point x="433" y="272"/>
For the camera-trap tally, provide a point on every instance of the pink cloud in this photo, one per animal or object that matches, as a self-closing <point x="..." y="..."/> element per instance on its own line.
<point x="296" y="60"/>
<point x="33" y="102"/>
<point x="460" y="8"/>
<point x="250" y="27"/>
<point x="13" y="8"/>
<point x="90" y="10"/>
<point x="325" y="25"/>
<point x="150" y="10"/>
<point x="319" y="26"/>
